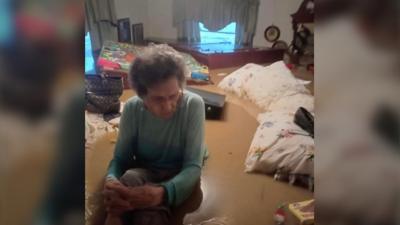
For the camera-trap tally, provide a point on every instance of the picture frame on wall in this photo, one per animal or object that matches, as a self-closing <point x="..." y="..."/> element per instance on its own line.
<point x="137" y="34"/>
<point x="124" y="30"/>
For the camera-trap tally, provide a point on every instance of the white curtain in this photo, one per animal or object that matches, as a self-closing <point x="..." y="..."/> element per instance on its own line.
<point x="216" y="14"/>
<point x="100" y="21"/>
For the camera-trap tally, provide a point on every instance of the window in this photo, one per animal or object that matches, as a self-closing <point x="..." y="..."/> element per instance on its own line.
<point x="224" y="36"/>
<point x="220" y="41"/>
<point x="89" y="61"/>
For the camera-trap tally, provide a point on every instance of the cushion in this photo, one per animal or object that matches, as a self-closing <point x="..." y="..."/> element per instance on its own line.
<point x="270" y="84"/>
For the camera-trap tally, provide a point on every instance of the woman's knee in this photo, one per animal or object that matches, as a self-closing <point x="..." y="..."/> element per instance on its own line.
<point x="135" y="177"/>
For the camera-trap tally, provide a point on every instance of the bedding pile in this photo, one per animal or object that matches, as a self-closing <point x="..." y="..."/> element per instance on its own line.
<point x="279" y="147"/>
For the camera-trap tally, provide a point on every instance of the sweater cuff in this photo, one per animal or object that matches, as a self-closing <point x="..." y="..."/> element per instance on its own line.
<point x="111" y="177"/>
<point x="169" y="194"/>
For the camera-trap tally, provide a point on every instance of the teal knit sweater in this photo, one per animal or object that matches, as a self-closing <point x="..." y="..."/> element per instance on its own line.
<point x="147" y="141"/>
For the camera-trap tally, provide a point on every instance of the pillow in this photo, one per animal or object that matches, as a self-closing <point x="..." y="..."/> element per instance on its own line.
<point x="235" y="80"/>
<point x="270" y="84"/>
<point x="279" y="65"/>
<point x="274" y="148"/>
<point x="292" y="102"/>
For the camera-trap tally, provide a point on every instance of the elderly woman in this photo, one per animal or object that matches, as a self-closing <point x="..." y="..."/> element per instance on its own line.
<point x="160" y="148"/>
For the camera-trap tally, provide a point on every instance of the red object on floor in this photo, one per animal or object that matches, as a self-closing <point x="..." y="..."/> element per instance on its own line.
<point x="279" y="216"/>
<point x="290" y="66"/>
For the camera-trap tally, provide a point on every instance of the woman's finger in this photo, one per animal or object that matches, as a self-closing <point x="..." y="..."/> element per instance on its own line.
<point x="118" y="202"/>
<point x="116" y="211"/>
<point x="120" y="189"/>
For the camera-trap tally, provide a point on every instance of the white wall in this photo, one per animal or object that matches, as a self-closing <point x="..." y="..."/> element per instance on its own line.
<point x="160" y="19"/>
<point x="266" y="14"/>
<point x="275" y="12"/>
<point x="136" y="10"/>
<point x="156" y="15"/>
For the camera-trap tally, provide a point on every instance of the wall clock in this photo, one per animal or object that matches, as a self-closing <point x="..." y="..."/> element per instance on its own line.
<point x="272" y="33"/>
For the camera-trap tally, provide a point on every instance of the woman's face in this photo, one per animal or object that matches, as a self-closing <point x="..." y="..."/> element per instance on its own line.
<point x="162" y="99"/>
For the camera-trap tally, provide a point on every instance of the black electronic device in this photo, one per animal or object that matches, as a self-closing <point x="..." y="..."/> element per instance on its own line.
<point x="214" y="103"/>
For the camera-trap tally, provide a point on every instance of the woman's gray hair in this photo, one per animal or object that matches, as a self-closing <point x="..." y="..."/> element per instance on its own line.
<point x="154" y="65"/>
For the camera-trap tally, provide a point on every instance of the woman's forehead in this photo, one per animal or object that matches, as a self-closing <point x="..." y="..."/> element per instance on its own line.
<point x="166" y="88"/>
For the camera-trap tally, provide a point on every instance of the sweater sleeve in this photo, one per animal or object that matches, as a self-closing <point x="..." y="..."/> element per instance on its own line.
<point x="179" y="188"/>
<point x="126" y="142"/>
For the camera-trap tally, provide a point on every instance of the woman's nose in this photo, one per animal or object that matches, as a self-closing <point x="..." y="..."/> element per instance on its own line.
<point x="167" y="106"/>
